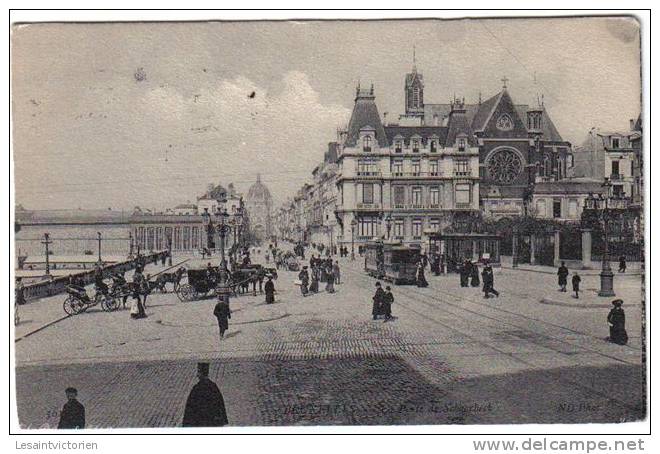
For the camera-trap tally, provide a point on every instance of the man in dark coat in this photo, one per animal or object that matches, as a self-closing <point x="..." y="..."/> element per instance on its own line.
<point x="489" y="281"/>
<point x="269" y="287"/>
<point x="223" y="314"/>
<point x="622" y="264"/>
<point x="562" y="277"/>
<point x="474" y="277"/>
<point x="72" y="415"/>
<point x="388" y="299"/>
<point x="576" y="284"/>
<point x="378" y="299"/>
<point x="465" y="271"/>
<point x="617" y="321"/>
<point x="205" y="406"/>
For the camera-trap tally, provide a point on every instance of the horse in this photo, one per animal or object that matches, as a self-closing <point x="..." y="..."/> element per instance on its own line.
<point x="174" y="278"/>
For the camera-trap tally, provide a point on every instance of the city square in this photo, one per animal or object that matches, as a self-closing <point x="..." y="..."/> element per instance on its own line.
<point x="297" y="236"/>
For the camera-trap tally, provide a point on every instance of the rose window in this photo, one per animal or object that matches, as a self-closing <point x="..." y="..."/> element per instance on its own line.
<point x="504" y="166"/>
<point x="504" y="123"/>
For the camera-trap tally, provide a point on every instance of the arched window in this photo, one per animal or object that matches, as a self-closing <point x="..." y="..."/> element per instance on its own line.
<point x="366" y="143"/>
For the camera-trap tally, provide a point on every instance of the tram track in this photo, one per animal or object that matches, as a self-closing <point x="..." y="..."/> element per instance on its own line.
<point x="574" y="384"/>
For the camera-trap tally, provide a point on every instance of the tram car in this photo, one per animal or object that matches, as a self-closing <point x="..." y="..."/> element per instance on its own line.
<point x="392" y="262"/>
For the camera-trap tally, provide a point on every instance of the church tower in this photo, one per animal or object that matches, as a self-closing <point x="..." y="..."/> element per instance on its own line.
<point x="414" y="91"/>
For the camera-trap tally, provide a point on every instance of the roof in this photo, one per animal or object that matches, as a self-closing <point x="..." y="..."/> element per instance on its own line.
<point x="258" y="190"/>
<point x="458" y="124"/>
<point x="550" y="132"/>
<point x="185" y="206"/>
<point x="365" y="113"/>
<point x="217" y="193"/>
<point x="425" y="132"/>
<point x="71" y="217"/>
<point x="412" y="76"/>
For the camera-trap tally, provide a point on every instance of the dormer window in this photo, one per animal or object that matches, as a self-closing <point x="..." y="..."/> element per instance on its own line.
<point x="415" y="145"/>
<point x="434" y="146"/>
<point x="461" y="143"/>
<point x="398" y="146"/>
<point x="615" y="142"/>
<point x="366" y="143"/>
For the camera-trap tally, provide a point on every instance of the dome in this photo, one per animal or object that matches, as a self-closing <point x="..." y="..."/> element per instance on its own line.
<point x="258" y="191"/>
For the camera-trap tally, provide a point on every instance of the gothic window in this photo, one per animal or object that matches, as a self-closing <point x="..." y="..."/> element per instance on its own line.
<point x="504" y="166"/>
<point x="415" y="100"/>
<point x="504" y="123"/>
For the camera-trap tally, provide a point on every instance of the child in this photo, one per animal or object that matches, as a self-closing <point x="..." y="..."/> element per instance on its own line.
<point x="388" y="299"/>
<point x="576" y="284"/>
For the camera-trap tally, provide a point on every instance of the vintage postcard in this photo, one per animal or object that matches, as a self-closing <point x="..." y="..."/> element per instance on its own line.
<point x="313" y="223"/>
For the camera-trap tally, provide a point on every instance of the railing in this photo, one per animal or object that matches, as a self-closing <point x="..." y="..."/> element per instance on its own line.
<point x="368" y="206"/>
<point x="616" y="177"/>
<point x="462" y="173"/>
<point x="368" y="173"/>
<point x="58" y="285"/>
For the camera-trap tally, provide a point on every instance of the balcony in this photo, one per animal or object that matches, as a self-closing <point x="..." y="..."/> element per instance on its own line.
<point x="368" y="206"/>
<point x="462" y="173"/>
<point x="617" y="177"/>
<point x="369" y="173"/>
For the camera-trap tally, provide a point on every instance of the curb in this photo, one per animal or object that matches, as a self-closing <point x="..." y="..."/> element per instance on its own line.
<point x="41" y="328"/>
<point x="574" y="305"/>
<point x="582" y="272"/>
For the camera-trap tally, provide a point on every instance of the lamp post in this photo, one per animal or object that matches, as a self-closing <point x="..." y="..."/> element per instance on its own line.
<point x="99" y="240"/>
<point x="353" y="225"/>
<point x="130" y="244"/>
<point x="222" y="231"/>
<point x="388" y="225"/>
<point x="606" y="274"/>
<point x="46" y="242"/>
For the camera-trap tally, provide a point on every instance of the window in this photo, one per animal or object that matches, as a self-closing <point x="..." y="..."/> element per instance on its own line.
<point x="367" y="167"/>
<point x="433" y="167"/>
<point x="572" y="208"/>
<point x="366" y="143"/>
<point x="367" y="227"/>
<point x="417" y="228"/>
<point x="462" y="143"/>
<point x="397" y="167"/>
<point x="399" y="196"/>
<point x="416" y="100"/>
<point x="399" y="228"/>
<point x="462" y="167"/>
<point x="398" y="146"/>
<point x="434" y="146"/>
<point x="435" y="196"/>
<point x="618" y="191"/>
<point x="434" y="224"/>
<point x="415" y="168"/>
<point x="415" y="145"/>
<point x="615" y="168"/>
<point x="540" y="208"/>
<point x="367" y="193"/>
<point x="417" y="196"/>
<point x="615" y="142"/>
<point x="462" y="194"/>
<point x="556" y="208"/>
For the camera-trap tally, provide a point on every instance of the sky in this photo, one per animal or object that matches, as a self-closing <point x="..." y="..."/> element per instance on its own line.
<point x="119" y="115"/>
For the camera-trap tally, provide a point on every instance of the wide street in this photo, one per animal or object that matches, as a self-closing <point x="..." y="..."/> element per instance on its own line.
<point x="533" y="355"/>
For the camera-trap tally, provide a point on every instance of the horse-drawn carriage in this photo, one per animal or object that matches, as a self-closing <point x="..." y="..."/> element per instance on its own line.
<point x="289" y="261"/>
<point x="203" y="281"/>
<point x="393" y="262"/>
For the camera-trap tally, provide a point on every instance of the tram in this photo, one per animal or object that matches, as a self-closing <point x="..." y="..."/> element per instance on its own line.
<point x="392" y="262"/>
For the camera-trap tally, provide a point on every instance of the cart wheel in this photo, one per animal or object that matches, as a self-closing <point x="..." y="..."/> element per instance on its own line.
<point x="186" y="292"/>
<point x="71" y="306"/>
<point x="110" y="304"/>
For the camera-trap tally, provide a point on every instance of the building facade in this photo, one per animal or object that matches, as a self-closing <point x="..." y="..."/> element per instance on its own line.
<point x="259" y="204"/>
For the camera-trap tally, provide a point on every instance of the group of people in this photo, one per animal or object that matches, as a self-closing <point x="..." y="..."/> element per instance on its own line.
<point x="562" y="280"/>
<point x="468" y="271"/>
<point x="382" y="303"/>
<point x="322" y="270"/>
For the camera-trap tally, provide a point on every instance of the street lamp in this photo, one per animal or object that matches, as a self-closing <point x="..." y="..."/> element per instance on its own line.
<point x="222" y="231"/>
<point x="388" y="224"/>
<point x="353" y="225"/>
<point x="99" y="240"/>
<point x="606" y="274"/>
<point x="46" y="242"/>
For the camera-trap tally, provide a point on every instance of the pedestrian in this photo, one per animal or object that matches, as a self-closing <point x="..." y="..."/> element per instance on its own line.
<point x="562" y="277"/>
<point x="205" y="406"/>
<point x="336" y="272"/>
<point x="329" y="280"/>
<point x="19" y="291"/>
<point x="388" y="300"/>
<point x="421" y="279"/>
<point x="119" y="286"/>
<point x="622" y="264"/>
<point x="72" y="415"/>
<point x="488" y="281"/>
<point x="617" y="321"/>
<point x="137" y="309"/>
<point x="163" y="256"/>
<point x="576" y="284"/>
<point x="465" y="273"/>
<point x="378" y="299"/>
<point x="303" y="277"/>
<point x="223" y="314"/>
<point x="269" y="287"/>
<point x="474" y="276"/>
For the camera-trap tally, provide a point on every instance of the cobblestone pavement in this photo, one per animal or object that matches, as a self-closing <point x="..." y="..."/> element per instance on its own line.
<point x="450" y="356"/>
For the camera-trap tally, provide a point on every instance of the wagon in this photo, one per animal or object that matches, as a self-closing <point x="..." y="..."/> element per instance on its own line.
<point x="200" y="284"/>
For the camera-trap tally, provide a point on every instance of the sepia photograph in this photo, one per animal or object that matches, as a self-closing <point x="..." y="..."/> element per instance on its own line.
<point x="284" y="223"/>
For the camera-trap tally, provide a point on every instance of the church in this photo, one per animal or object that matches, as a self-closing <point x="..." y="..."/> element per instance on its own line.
<point x="519" y="144"/>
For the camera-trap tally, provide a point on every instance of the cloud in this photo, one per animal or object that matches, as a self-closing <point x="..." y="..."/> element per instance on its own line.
<point x="166" y="143"/>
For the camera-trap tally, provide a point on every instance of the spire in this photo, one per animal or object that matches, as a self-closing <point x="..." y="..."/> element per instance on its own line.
<point x="258" y="178"/>
<point x="504" y="81"/>
<point x="414" y="68"/>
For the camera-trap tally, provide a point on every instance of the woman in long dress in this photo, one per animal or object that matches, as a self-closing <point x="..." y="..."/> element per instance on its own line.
<point x="421" y="279"/>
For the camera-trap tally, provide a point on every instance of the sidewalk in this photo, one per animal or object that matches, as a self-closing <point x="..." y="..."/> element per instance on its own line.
<point x="633" y="269"/>
<point x="41" y="313"/>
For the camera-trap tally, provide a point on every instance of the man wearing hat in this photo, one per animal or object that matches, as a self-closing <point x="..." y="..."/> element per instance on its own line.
<point x="205" y="406"/>
<point x="617" y="321"/>
<point x="72" y="415"/>
<point x="223" y="314"/>
<point x="378" y="299"/>
<point x="269" y="288"/>
<point x="388" y="299"/>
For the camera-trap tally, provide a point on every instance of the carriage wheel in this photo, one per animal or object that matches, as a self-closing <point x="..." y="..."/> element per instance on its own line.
<point x="186" y="292"/>
<point x="110" y="304"/>
<point x="71" y="306"/>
